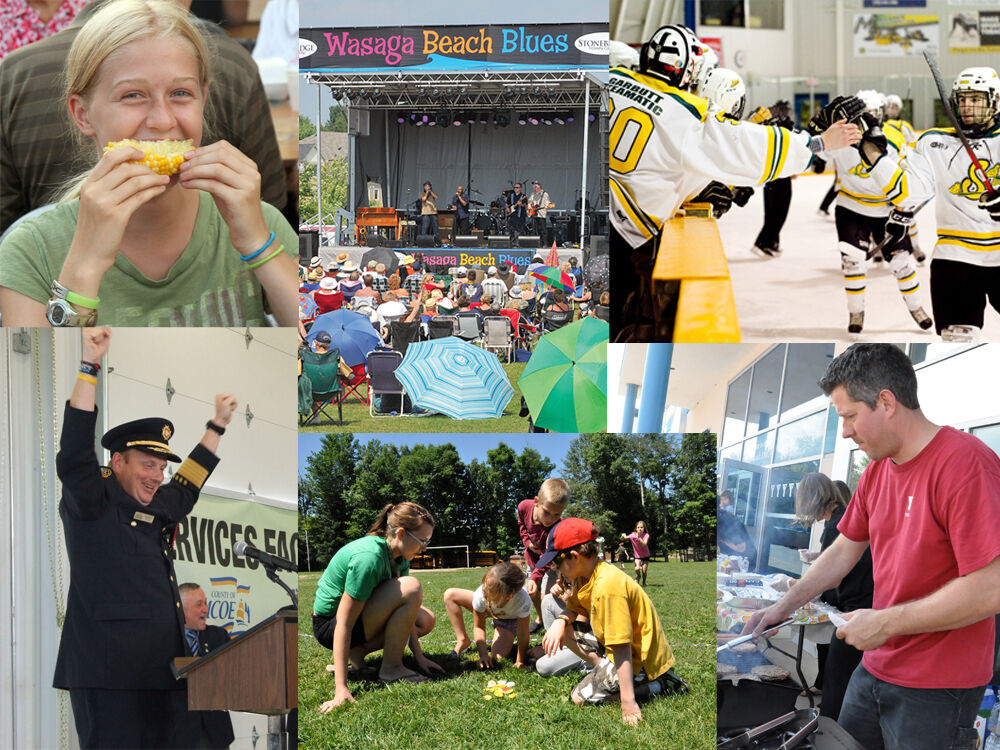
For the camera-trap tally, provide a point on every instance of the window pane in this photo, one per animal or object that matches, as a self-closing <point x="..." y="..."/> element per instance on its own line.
<point x="733" y="451"/>
<point x="832" y="429"/>
<point x="736" y="408"/>
<point x="763" y="411"/>
<point x="858" y="463"/>
<point x="782" y="536"/>
<point x="722" y="13"/>
<point x="801" y="439"/>
<point x="758" y="450"/>
<point x="806" y="365"/>
<point x="767" y="14"/>
<point x="989" y="434"/>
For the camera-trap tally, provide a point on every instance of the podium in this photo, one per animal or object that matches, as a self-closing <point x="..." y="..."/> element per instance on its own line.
<point x="256" y="672"/>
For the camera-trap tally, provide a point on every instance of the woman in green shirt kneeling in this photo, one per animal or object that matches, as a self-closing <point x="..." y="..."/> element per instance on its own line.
<point x="366" y="601"/>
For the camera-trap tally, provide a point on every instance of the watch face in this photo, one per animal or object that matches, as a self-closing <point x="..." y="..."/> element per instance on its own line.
<point x="56" y="313"/>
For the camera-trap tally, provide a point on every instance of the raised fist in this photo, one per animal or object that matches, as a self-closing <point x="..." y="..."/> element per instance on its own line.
<point x="95" y="343"/>
<point x="741" y="195"/>
<point x="225" y="405"/>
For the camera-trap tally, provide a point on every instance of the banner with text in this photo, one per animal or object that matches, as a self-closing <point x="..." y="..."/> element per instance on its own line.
<point x="485" y="258"/>
<point x="974" y="31"/>
<point x="238" y="591"/>
<point x="455" y="48"/>
<point x="885" y="35"/>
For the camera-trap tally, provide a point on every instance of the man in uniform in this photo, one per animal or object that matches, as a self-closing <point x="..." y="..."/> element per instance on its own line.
<point x="202" y="728"/>
<point x="124" y="621"/>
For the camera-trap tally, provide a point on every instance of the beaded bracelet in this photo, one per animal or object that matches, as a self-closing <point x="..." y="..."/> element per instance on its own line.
<point x="279" y="251"/>
<point x="248" y="258"/>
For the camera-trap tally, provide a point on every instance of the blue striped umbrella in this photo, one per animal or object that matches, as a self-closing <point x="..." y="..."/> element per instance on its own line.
<point x="455" y="378"/>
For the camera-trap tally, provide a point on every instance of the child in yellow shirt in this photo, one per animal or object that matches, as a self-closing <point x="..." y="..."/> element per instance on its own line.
<point x="622" y="618"/>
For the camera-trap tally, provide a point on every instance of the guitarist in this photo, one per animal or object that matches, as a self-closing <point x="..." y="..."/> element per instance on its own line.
<point x="538" y="208"/>
<point x="516" y="212"/>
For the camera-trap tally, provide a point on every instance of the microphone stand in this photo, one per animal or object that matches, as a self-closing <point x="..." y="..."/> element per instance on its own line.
<point x="272" y="573"/>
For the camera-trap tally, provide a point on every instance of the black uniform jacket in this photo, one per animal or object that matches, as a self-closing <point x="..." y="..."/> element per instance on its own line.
<point x="217" y="725"/>
<point x="124" y="620"/>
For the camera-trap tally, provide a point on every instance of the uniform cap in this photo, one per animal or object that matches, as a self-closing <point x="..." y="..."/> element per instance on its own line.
<point x="150" y="435"/>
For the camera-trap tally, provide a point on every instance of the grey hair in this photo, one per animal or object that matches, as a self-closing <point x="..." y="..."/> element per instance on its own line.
<point x="865" y="370"/>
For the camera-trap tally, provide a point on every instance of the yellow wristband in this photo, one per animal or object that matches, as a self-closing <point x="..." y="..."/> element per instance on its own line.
<point x="87" y="378"/>
<point x="279" y="251"/>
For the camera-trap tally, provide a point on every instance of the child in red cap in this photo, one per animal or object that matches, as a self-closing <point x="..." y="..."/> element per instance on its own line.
<point x="622" y="617"/>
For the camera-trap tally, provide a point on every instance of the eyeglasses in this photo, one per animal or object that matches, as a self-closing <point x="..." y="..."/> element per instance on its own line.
<point x="417" y="539"/>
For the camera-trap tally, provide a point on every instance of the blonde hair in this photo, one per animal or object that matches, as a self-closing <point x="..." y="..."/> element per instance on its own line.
<point x="502" y="580"/>
<point x="409" y="516"/>
<point x="554" y="492"/>
<point x="111" y="27"/>
<point x="815" y="495"/>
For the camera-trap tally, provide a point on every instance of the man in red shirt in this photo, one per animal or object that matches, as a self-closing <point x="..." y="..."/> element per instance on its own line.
<point x="928" y="505"/>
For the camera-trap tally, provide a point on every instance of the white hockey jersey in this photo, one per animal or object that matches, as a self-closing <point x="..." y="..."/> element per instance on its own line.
<point x="940" y="168"/>
<point x="859" y="190"/>
<point x="664" y="145"/>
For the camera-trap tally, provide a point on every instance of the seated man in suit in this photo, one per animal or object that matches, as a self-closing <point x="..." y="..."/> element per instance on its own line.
<point x="205" y="728"/>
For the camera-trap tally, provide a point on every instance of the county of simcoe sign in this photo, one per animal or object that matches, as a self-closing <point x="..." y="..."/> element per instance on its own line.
<point x="466" y="48"/>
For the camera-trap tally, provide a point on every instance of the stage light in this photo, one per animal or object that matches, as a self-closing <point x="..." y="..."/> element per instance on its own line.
<point x="533" y="120"/>
<point x="547" y="120"/>
<point x="521" y="120"/>
<point x="456" y="119"/>
<point x="484" y="118"/>
<point x="471" y="118"/>
<point x="591" y="118"/>
<point x="569" y="117"/>
<point x="400" y="119"/>
<point x="442" y="118"/>
<point x="560" y="121"/>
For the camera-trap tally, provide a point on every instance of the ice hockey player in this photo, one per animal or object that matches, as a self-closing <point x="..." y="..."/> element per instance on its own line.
<point x="664" y="144"/>
<point x="965" y="270"/>
<point x="863" y="203"/>
<point x="893" y="118"/>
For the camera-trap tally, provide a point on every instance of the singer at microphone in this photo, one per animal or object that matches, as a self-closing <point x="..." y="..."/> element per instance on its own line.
<point x="245" y="550"/>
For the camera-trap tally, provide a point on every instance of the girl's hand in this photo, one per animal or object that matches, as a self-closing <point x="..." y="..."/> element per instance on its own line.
<point x="108" y="198"/>
<point x="232" y="179"/>
<point x="631" y="713"/>
<point x="426" y="665"/>
<point x="485" y="662"/>
<point x="340" y="697"/>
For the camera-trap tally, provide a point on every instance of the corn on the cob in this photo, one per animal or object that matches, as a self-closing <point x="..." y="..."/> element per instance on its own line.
<point x="163" y="157"/>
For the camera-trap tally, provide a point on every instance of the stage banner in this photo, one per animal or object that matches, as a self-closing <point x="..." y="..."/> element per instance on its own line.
<point x="974" y="31"/>
<point x="485" y="258"/>
<point x="895" y="3"/>
<point x="454" y="48"/>
<point x="238" y="591"/>
<point x="884" y="35"/>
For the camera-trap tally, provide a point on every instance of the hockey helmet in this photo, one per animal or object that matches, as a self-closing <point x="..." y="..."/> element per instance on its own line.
<point x="977" y="90"/>
<point x="670" y="55"/>
<point x="725" y="89"/>
<point x="704" y="64"/>
<point x="893" y="107"/>
<point x="874" y="103"/>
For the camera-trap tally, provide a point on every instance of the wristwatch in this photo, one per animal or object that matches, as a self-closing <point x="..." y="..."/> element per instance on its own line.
<point x="60" y="312"/>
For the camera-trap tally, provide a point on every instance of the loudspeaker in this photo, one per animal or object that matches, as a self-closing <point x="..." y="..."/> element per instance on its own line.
<point x="465" y="240"/>
<point x="425" y="240"/>
<point x="308" y="245"/>
<point x="388" y="242"/>
<point x="528" y="240"/>
<point x="498" y="241"/>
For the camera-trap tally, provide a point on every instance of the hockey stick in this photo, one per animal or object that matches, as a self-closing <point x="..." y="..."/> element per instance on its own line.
<point x="976" y="166"/>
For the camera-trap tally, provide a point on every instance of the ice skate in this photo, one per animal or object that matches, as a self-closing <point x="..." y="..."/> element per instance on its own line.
<point x="922" y="318"/>
<point x="766" y="252"/>
<point x="857" y="322"/>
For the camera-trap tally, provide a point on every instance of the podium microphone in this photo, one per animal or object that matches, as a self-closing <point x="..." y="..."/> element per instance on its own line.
<point x="245" y="550"/>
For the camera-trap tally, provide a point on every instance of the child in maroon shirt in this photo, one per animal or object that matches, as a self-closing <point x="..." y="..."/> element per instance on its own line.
<point x="535" y="516"/>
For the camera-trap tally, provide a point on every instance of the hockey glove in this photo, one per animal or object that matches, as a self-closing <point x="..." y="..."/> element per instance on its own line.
<point x="741" y="195"/>
<point x="720" y="196"/>
<point x="896" y="227"/>
<point x="990" y="202"/>
<point x="842" y="108"/>
<point x="873" y="143"/>
<point x="760" y="115"/>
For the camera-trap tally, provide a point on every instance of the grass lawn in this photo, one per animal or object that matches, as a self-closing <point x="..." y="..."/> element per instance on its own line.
<point x="356" y="417"/>
<point x="449" y="712"/>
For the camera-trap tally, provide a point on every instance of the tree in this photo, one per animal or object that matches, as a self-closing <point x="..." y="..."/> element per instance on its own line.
<point x="329" y="474"/>
<point x="306" y="127"/>
<point x="334" y="188"/>
<point x="695" y="487"/>
<point x="337" y="119"/>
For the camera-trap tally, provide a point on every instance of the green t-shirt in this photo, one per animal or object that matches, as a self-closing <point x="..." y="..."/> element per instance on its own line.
<point x="357" y="569"/>
<point x="208" y="285"/>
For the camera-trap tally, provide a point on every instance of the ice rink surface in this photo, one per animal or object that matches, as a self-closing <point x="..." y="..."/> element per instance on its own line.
<point x="799" y="296"/>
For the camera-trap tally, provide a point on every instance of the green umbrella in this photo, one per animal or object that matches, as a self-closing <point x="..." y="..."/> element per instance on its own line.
<point x="565" y="383"/>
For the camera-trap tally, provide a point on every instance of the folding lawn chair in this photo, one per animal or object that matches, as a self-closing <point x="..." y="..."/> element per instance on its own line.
<point x="382" y="380"/>
<point x="321" y="387"/>
<point x="603" y="312"/>
<point x="402" y="334"/>
<point x="352" y="385"/>
<point x="441" y="327"/>
<point x="497" y="290"/>
<point x="412" y="283"/>
<point x="553" y="320"/>
<point x="499" y="335"/>
<point x="470" y="326"/>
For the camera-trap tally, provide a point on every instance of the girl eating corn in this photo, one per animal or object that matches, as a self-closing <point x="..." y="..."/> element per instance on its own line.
<point x="161" y="231"/>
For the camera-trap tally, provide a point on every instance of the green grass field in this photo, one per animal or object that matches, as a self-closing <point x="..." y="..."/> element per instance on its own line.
<point x="449" y="712"/>
<point x="356" y="417"/>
